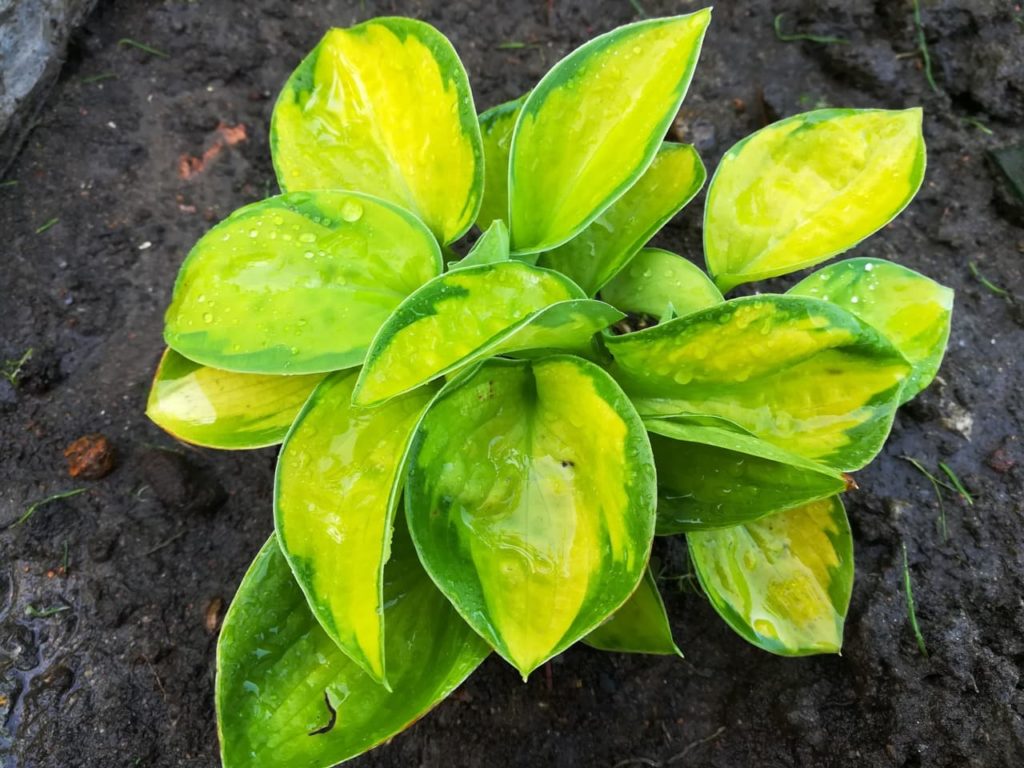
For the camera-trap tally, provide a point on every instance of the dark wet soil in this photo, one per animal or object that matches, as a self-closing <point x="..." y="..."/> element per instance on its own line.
<point x="109" y="599"/>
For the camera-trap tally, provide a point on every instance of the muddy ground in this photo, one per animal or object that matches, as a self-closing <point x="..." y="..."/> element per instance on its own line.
<point x="109" y="599"/>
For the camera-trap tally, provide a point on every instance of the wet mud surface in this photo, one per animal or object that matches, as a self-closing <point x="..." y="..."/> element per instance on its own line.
<point x="110" y="598"/>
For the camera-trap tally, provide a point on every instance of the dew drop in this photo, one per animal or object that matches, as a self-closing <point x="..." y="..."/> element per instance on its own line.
<point x="253" y="233"/>
<point x="308" y="254"/>
<point x="351" y="211"/>
<point x="307" y="237"/>
<point x="208" y="317"/>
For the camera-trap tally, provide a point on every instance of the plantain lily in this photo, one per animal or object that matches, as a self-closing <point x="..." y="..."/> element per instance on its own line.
<point x="477" y="456"/>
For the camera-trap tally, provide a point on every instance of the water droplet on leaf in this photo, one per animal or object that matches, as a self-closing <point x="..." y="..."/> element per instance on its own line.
<point x="351" y="211"/>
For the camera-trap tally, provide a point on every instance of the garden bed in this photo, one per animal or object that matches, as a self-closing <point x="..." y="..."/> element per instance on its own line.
<point x="110" y="599"/>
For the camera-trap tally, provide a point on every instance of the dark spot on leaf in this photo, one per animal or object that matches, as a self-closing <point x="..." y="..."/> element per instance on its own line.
<point x="331" y="720"/>
<point x="488" y="395"/>
<point x="567" y="463"/>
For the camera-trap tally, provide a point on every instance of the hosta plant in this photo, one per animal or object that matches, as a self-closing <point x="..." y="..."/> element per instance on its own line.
<point x="477" y="452"/>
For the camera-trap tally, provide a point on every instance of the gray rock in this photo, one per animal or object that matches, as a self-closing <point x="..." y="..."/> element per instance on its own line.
<point x="33" y="38"/>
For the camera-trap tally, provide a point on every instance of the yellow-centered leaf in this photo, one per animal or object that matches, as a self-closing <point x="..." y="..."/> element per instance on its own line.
<point x="338" y="483"/>
<point x="385" y="108"/>
<point x="593" y="124"/>
<point x="800" y="373"/>
<point x="287" y="697"/>
<point x="808" y="187"/>
<point x="600" y="251"/>
<point x="496" y="126"/>
<point x="468" y="313"/>
<point x="909" y="309"/>
<point x="222" y="409"/>
<point x="298" y="283"/>
<point x="531" y="502"/>
<point x="782" y="582"/>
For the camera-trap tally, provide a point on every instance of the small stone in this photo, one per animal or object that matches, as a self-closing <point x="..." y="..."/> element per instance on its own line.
<point x="1002" y="459"/>
<point x="90" y="457"/>
<point x="212" y="614"/>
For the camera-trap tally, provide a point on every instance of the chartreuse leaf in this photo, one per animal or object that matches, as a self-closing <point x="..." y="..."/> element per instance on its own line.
<point x="338" y="483"/>
<point x="384" y="108"/>
<point x="568" y="326"/>
<point x="531" y="499"/>
<point x="661" y="284"/>
<point x="463" y="315"/>
<point x="288" y="697"/>
<point x="808" y="187"/>
<point x="909" y="309"/>
<point x="597" y="253"/>
<point x="491" y="248"/>
<point x="714" y="477"/>
<point x="593" y="124"/>
<point x="782" y="582"/>
<point x="222" y="409"/>
<point x="639" y="626"/>
<point x="496" y="126"/>
<point x="800" y="373"/>
<point x="298" y="283"/>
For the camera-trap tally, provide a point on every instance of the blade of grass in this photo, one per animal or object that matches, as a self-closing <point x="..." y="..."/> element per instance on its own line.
<point x="937" y="486"/>
<point x="792" y="38"/>
<point x="638" y="8"/>
<point x="43" y="502"/>
<point x="98" y="78"/>
<point x="41" y="613"/>
<point x="911" y="613"/>
<point x="142" y="47"/>
<point x="922" y="46"/>
<point x="986" y="282"/>
<point x="957" y="484"/>
<point x="8" y="183"/>
<point x="46" y="225"/>
<point x="684" y="582"/>
<point x="973" y="121"/>
<point x="11" y="369"/>
<point x="693" y="745"/>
